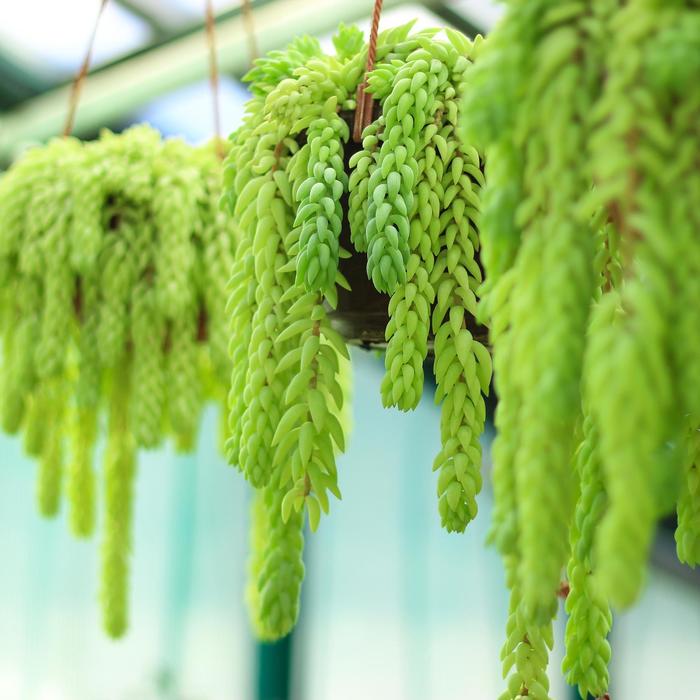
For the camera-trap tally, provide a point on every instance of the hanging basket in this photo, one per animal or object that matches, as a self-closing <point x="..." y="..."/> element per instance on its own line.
<point x="362" y="315"/>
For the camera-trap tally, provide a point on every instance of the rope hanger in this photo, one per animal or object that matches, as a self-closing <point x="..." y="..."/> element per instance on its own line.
<point x="363" y="109"/>
<point x="249" y="25"/>
<point x="80" y="76"/>
<point x="210" y="24"/>
<point x="210" y="29"/>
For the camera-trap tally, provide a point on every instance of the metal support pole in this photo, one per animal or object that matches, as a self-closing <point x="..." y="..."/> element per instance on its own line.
<point x="274" y="669"/>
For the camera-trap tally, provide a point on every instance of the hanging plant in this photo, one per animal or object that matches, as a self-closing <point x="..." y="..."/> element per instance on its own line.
<point x="114" y="261"/>
<point x="312" y="205"/>
<point x="589" y="123"/>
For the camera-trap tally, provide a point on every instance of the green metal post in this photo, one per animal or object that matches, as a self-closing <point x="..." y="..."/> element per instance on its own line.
<point x="275" y="669"/>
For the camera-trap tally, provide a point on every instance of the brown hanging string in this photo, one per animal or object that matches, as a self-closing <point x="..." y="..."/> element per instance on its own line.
<point x="363" y="110"/>
<point x="249" y="24"/>
<point x="80" y="76"/>
<point x="214" y="77"/>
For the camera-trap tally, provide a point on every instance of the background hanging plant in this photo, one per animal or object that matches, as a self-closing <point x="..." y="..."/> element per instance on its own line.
<point x="409" y="196"/>
<point x="114" y="260"/>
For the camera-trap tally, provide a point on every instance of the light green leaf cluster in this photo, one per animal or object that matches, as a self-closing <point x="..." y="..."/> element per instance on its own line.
<point x="301" y="195"/>
<point x="50" y="471"/>
<point x="276" y="567"/>
<point x="589" y="126"/>
<point x="587" y="648"/>
<point x="81" y="477"/>
<point x="535" y="227"/>
<point x="285" y="178"/>
<point x="363" y="163"/>
<point x="646" y="162"/>
<point x="119" y="473"/>
<point x="319" y="212"/>
<point x="436" y="291"/>
<point x="413" y="94"/>
<point x="688" y="530"/>
<point x="442" y="217"/>
<point x="147" y="332"/>
<point x="525" y="653"/>
<point x="504" y="523"/>
<point x="114" y="258"/>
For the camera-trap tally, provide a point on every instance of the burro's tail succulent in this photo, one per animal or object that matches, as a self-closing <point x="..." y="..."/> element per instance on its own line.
<point x="589" y="127"/>
<point x="306" y="198"/>
<point x="543" y="182"/>
<point x="114" y="258"/>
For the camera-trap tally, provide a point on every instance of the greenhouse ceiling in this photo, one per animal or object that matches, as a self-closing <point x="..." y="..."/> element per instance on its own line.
<point x="149" y="48"/>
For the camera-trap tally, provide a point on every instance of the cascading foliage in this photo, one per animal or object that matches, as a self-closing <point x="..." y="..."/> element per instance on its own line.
<point x="589" y="120"/>
<point x="305" y="198"/>
<point x="114" y="262"/>
<point x="560" y="157"/>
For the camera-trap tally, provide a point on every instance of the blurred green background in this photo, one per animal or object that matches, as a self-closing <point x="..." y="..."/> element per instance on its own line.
<point x="393" y="607"/>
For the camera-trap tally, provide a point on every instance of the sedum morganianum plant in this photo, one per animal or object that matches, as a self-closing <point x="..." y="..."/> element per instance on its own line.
<point x="117" y="298"/>
<point x="114" y="261"/>
<point x="589" y="117"/>
<point x="409" y="195"/>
